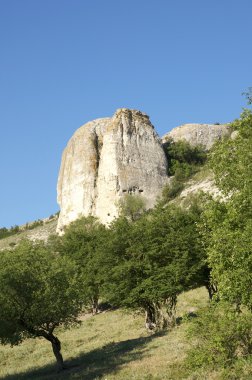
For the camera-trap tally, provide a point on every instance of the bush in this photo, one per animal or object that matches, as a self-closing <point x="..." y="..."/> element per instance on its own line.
<point x="132" y="206"/>
<point x="171" y="191"/>
<point x="223" y="339"/>
<point x="5" y="232"/>
<point x="184" y="159"/>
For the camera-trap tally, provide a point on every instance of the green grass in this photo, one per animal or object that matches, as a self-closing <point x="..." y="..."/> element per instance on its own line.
<point x="110" y="345"/>
<point x="203" y="174"/>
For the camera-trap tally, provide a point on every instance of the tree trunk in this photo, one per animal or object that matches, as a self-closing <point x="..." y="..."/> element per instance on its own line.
<point x="56" y="346"/>
<point x="155" y="319"/>
<point x="95" y="306"/>
<point x="212" y="289"/>
<point x="171" y="303"/>
<point x="48" y="335"/>
<point x="150" y="317"/>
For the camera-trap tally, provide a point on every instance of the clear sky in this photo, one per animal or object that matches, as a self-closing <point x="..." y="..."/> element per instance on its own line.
<point x="65" y="62"/>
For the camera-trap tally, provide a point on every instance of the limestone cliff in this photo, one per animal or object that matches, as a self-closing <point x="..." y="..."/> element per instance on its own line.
<point x="105" y="159"/>
<point x="198" y="134"/>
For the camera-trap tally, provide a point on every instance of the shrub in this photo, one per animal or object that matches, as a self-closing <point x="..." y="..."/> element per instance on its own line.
<point x="171" y="191"/>
<point x="223" y="338"/>
<point x="184" y="159"/>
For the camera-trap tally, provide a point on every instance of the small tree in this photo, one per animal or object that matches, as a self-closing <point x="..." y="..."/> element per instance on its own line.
<point x="39" y="291"/>
<point x="83" y="242"/>
<point x="223" y="338"/>
<point x="132" y="206"/>
<point x="183" y="159"/>
<point x="228" y="224"/>
<point x="153" y="260"/>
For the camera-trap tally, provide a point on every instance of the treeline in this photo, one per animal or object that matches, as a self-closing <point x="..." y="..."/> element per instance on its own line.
<point x="143" y="262"/>
<point x="13" y="230"/>
<point x="6" y="232"/>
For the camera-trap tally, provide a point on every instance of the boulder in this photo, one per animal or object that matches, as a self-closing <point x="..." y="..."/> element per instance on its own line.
<point x="198" y="134"/>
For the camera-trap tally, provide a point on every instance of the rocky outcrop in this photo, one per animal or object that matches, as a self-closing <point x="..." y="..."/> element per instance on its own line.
<point x="198" y="134"/>
<point x="106" y="159"/>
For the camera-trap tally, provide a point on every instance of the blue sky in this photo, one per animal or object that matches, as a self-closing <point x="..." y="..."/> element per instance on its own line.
<point x="65" y="62"/>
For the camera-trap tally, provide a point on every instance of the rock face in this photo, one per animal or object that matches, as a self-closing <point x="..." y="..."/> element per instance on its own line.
<point x="198" y="134"/>
<point x="106" y="159"/>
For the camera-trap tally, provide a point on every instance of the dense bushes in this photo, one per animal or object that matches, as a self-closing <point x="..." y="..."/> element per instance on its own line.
<point x="183" y="159"/>
<point x="6" y="232"/>
<point x="152" y="261"/>
<point x="84" y="242"/>
<point x="222" y="339"/>
<point x="224" y="332"/>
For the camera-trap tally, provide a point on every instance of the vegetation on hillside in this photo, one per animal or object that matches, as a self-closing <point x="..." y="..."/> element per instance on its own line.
<point x="145" y="261"/>
<point x="225" y="332"/>
<point x="184" y="161"/>
<point x="14" y="230"/>
<point x="40" y="291"/>
<point x="112" y="345"/>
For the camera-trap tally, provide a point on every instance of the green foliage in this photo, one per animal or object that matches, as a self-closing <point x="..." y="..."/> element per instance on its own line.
<point x="153" y="259"/>
<point x="132" y="206"/>
<point x="183" y="159"/>
<point x="83" y="242"/>
<point x="171" y="190"/>
<point x="39" y="290"/>
<point x="6" y="232"/>
<point x="36" y="223"/>
<point x="227" y="226"/>
<point x="222" y="338"/>
<point x="231" y="159"/>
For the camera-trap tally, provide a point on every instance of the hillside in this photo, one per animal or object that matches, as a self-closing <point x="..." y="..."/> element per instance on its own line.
<point x="40" y="232"/>
<point x="201" y="181"/>
<point x="148" y="262"/>
<point x="111" y="345"/>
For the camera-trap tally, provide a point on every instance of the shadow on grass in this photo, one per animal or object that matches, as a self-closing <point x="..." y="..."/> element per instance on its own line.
<point x="94" y="364"/>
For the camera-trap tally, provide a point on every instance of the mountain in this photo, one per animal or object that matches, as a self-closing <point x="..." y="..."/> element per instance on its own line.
<point x="106" y="159"/>
<point x="110" y="157"/>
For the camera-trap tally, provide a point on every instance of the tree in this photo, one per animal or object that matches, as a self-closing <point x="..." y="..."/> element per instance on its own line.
<point x="132" y="206"/>
<point x="248" y="95"/>
<point x="183" y="159"/>
<point x="223" y="339"/>
<point x="83" y="242"/>
<point x="39" y="291"/>
<point x="228" y="223"/>
<point x="153" y="260"/>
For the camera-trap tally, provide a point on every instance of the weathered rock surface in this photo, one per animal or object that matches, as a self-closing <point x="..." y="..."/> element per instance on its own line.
<point x="198" y="134"/>
<point x="106" y="159"/>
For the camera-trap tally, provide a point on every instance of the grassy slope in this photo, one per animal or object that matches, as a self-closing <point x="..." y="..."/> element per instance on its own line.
<point x="40" y="232"/>
<point x="111" y="345"/>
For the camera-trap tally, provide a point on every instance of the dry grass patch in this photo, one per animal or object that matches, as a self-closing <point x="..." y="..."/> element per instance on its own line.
<point x="111" y="345"/>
